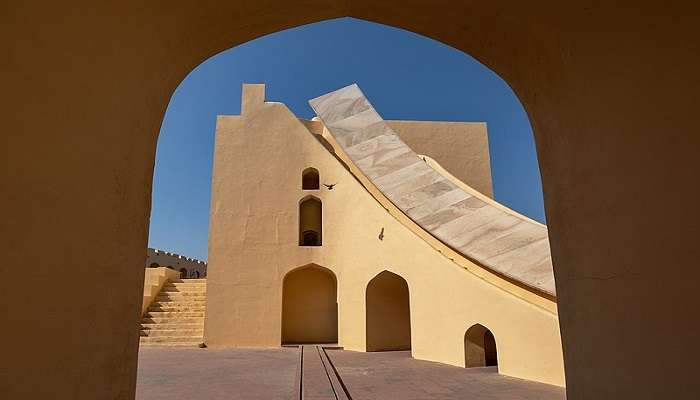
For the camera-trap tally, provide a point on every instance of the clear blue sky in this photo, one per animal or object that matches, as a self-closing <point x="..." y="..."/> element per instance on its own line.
<point x="405" y="76"/>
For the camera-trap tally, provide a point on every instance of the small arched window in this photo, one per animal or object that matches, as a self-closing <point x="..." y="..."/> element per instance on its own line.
<point x="310" y="222"/>
<point x="309" y="179"/>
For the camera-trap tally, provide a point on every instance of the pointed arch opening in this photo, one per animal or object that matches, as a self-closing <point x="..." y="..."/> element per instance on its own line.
<point x="310" y="222"/>
<point x="310" y="179"/>
<point x="309" y="306"/>
<point x="388" y="313"/>
<point x="480" y="347"/>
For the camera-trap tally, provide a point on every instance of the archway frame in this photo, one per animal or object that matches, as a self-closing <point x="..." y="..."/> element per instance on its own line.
<point x="559" y="68"/>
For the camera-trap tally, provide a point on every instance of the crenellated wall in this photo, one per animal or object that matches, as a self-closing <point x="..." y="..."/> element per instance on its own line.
<point x="192" y="267"/>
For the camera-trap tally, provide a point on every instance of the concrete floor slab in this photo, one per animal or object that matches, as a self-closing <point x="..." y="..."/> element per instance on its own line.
<point x="395" y="375"/>
<point x="193" y="374"/>
<point x="209" y="374"/>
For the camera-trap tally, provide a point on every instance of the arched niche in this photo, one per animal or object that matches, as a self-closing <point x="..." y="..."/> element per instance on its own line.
<point x="479" y="347"/>
<point x="310" y="222"/>
<point x="309" y="306"/>
<point x="388" y="313"/>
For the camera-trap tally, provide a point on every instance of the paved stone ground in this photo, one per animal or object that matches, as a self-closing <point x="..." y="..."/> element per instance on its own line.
<point x="207" y="374"/>
<point x="395" y="375"/>
<point x="194" y="374"/>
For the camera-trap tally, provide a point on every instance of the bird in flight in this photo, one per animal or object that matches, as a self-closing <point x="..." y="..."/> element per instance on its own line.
<point x="330" y="187"/>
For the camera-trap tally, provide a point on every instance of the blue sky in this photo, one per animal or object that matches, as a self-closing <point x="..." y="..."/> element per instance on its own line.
<point x="405" y="76"/>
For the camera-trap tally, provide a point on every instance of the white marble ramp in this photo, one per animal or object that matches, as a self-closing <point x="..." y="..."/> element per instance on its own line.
<point x="502" y="241"/>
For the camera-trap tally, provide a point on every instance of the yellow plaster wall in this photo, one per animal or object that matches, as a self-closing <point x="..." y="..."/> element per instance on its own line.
<point x="154" y="280"/>
<point x="256" y="190"/>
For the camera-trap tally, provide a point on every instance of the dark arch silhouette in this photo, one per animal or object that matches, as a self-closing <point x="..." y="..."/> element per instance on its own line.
<point x="154" y="265"/>
<point x="479" y="347"/>
<point x="310" y="179"/>
<point x="310" y="222"/>
<point x="309" y="306"/>
<point x="388" y="313"/>
<point x="183" y="273"/>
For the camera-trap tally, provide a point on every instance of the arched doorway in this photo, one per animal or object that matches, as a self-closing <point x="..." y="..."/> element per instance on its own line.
<point x="479" y="347"/>
<point x="183" y="273"/>
<point x="388" y="313"/>
<point x="309" y="306"/>
<point x="310" y="222"/>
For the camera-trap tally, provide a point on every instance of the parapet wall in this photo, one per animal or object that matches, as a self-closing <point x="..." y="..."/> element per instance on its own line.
<point x="192" y="267"/>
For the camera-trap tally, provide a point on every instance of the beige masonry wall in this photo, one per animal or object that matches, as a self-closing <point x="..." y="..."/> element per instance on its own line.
<point x="154" y="280"/>
<point x="256" y="190"/>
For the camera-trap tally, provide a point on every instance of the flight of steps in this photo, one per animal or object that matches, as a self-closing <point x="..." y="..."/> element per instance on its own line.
<point x="176" y="317"/>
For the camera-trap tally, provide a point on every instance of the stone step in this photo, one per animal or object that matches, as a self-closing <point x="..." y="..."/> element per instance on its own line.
<point x="171" y="339"/>
<point x="165" y="296"/>
<point x="198" y="332"/>
<point x="176" y="317"/>
<point x="172" y="320"/>
<point x="187" y="302"/>
<point x="173" y="289"/>
<point x="177" y="304"/>
<point x="183" y="344"/>
<point x="186" y="284"/>
<point x="174" y="314"/>
<point x="198" y="280"/>
<point x="179" y="299"/>
<point x="194" y="293"/>
<point x="173" y="325"/>
<point x="177" y="309"/>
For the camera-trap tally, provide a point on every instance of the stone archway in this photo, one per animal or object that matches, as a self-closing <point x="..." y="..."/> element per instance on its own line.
<point x="613" y="125"/>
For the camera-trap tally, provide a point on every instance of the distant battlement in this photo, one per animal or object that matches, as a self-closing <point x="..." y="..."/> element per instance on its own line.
<point x="167" y="253"/>
<point x="188" y="266"/>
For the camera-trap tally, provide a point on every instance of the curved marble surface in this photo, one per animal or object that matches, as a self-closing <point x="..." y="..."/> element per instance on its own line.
<point x="492" y="236"/>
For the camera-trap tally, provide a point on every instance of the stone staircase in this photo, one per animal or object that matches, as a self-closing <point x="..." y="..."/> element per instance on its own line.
<point x="176" y="317"/>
